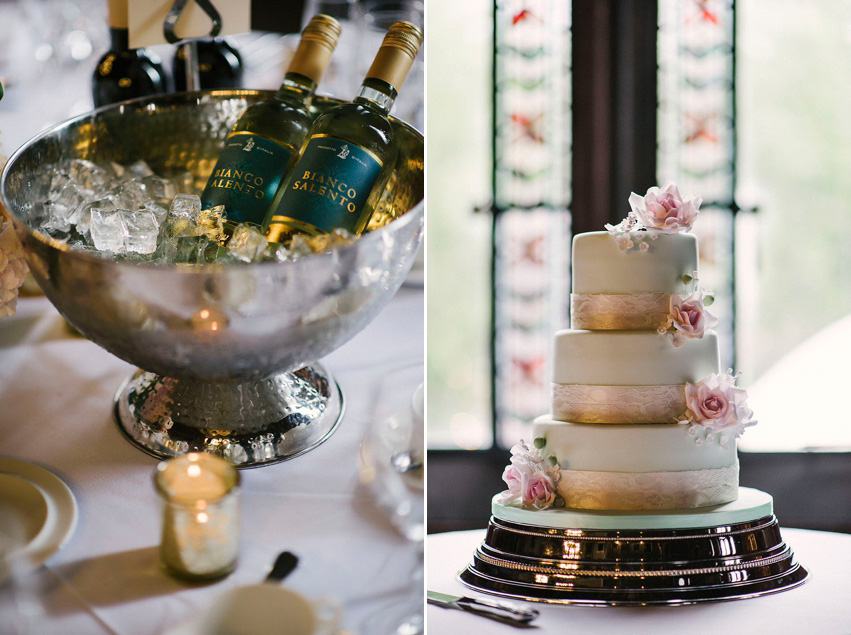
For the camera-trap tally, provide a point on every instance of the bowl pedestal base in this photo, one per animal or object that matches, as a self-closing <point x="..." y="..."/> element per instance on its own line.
<point x="249" y="424"/>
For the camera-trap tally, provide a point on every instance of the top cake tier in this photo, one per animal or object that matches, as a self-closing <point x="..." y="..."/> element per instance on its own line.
<point x="628" y="290"/>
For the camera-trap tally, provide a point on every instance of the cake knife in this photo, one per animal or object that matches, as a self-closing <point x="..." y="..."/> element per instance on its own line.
<point x="483" y="606"/>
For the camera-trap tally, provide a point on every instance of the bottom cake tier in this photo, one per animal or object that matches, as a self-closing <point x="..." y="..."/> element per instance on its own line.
<point x="725" y="552"/>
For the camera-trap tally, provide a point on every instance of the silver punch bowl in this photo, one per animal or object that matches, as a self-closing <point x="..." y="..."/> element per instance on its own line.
<point x="227" y="353"/>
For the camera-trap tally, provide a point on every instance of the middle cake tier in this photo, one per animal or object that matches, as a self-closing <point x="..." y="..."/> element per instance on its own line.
<point x="626" y="376"/>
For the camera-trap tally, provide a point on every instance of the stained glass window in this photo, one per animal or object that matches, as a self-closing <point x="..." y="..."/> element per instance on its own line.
<point x="696" y="128"/>
<point x="531" y="224"/>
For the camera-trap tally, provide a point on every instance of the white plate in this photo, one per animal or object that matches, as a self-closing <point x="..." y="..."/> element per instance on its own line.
<point x="45" y="507"/>
<point x="23" y="513"/>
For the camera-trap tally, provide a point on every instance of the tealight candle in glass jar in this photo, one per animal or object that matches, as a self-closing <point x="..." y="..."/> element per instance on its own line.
<point x="200" y="531"/>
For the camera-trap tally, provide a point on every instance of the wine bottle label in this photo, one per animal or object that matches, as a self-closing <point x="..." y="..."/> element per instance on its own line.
<point x="329" y="186"/>
<point x="246" y="176"/>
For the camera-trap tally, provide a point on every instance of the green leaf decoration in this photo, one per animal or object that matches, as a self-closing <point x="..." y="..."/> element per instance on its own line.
<point x="687" y="279"/>
<point x="708" y="300"/>
<point x="552" y="460"/>
<point x="540" y="442"/>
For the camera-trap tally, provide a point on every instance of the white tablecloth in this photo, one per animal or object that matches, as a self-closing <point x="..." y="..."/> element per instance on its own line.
<point x="821" y="605"/>
<point x="56" y="396"/>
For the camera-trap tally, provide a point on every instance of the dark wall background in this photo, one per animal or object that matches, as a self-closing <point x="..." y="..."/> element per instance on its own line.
<point x="811" y="490"/>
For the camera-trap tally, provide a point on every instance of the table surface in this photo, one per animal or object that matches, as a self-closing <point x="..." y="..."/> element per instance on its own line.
<point x="56" y="394"/>
<point x="819" y="606"/>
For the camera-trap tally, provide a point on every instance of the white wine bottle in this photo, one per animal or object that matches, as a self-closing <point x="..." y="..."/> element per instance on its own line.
<point x="263" y="145"/>
<point x="349" y="153"/>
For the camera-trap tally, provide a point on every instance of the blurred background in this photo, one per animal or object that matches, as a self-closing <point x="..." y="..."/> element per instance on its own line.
<point x="50" y="49"/>
<point x="558" y="112"/>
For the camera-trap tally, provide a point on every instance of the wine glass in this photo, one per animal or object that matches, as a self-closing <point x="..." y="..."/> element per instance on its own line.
<point x="392" y="473"/>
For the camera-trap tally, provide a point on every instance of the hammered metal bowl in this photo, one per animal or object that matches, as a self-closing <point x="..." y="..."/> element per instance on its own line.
<point x="227" y="352"/>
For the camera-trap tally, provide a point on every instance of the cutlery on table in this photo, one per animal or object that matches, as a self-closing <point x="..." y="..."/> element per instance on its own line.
<point x="483" y="606"/>
<point x="284" y="565"/>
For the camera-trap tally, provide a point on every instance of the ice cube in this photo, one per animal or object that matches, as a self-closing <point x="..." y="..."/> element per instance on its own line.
<point x="87" y="175"/>
<point x="108" y="232"/>
<point x="64" y="202"/>
<point x="210" y="223"/>
<point x="141" y="231"/>
<point x="340" y="237"/>
<point x="186" y="205"/>
<point x="247" y="244"/>
<point x="117" y="171"/>
<point x="299" y="246"/>
<point x="160" y="212"/>
<point x="158" y="187"/>
<point x="129" y="195"/>
<point x="140" y="169"/>
<point x="189" y="249"/>
<point x="57" y="184"/>
<point x="82" y="216"/>
<point x="177" y="226"/>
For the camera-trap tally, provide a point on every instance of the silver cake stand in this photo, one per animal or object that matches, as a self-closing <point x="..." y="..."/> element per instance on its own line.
<point x="613" y="559"/>
<point x="227" y="352"/>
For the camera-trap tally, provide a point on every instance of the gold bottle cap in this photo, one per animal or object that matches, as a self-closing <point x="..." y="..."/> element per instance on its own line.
<point x="117" y="11"/>
<point x="397" y="53"/>
<point x="313" y="54"/>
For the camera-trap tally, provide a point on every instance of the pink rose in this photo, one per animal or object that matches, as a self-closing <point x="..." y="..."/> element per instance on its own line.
<point x="689" y="317"/>
<point x="538" y="490"/>
<point x="716" y="403"/>
<point x="513" y="477"/>
<point x="665" y="210"/>
<point x="530" y="478"/>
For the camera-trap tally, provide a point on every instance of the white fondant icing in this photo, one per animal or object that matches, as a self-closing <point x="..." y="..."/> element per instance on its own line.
<point x="631" y="358"/>
<point x="750" y="505"/>
<point x="599" y="266"/>
<point x="629" y="448"/>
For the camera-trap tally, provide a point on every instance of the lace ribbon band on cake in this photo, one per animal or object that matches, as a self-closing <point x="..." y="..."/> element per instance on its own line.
<point x="619" y="311"/>
<point x="649" y="490"/>
<point x="580" y="403"/>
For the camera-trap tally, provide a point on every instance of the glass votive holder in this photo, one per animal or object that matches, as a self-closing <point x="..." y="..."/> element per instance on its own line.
<point x="200" y="516"/>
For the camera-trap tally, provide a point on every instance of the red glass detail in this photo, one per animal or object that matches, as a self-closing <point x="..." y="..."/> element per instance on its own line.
<point x="533" y="250"/>
<point x="704" y="13"/>
<point x="699" y="129"/>
<point x="528" y="126"/>
<point x="522" y="16"/>
<point x="530" y="368"/>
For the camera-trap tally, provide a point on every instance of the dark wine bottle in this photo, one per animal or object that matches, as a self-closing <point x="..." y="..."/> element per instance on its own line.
<point x="219" y="65"/>
<point x="124" y="73"/>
